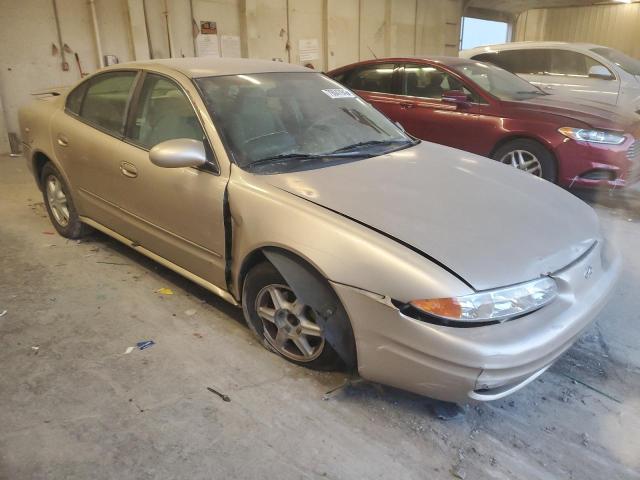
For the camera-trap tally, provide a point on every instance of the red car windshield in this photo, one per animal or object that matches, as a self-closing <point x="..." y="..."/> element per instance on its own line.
<point x="498" y="82"/>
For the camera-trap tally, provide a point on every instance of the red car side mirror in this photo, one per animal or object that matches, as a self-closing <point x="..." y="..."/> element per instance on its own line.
<point x="457" y="97"/>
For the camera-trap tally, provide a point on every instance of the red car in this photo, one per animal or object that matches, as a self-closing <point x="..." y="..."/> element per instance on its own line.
<point x="483" y="109"/>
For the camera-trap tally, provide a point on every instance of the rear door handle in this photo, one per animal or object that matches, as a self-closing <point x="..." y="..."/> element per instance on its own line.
<point x="128" y="170"/>
<point x="407" y="105"/>
<point x="62" y="141"/>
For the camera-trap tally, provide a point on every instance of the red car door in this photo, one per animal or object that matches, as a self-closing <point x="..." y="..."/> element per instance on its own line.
<point x="424" y="114"/>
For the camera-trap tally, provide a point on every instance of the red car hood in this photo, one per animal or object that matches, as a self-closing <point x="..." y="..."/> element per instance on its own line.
<point x="593" y="114"/>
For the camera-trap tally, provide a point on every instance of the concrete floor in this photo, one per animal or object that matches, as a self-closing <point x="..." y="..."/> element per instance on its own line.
<point x="73" y="405"/>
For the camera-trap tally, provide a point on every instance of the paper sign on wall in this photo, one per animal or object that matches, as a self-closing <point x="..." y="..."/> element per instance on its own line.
<point x="231" y="46"/>
<point x="207" y="40"/>
<point x="308" y="49"/>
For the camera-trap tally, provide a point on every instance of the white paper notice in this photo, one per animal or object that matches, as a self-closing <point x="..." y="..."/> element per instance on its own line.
<point x="231" y="46"/>
<point x="308" y="49"/>
<point x="207" y="46"/>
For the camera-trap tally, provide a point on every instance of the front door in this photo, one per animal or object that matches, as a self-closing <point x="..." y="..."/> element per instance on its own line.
<point x="426" y="116"/>
<point x="176" y="213"/>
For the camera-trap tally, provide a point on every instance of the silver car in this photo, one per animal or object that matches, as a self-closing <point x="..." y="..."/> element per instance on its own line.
<point x="347" y="243"/>
<point x="584" y="71"/>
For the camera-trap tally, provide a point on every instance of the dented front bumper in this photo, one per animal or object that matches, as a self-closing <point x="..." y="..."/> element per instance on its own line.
<point x="477" y="363"/>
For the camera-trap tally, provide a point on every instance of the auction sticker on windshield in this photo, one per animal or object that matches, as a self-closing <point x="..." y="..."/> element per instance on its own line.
<point x="338" y="93"/>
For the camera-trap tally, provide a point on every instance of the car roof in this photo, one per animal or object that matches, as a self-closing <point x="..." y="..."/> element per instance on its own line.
<point x="444" y="60"/>
<point x="530" y="45"/>
<point x="196" y="67"/>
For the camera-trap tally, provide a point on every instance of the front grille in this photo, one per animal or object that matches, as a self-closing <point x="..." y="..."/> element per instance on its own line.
<point x="634" y="150"/>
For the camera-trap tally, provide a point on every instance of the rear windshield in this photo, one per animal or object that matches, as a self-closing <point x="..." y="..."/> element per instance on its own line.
<point x="624" y="61"/>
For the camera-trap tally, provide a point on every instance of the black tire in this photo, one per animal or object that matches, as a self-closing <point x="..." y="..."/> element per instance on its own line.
<point x="73" y="228"/>
<point x="545" y="158"/>
<point x="257" y="280"/>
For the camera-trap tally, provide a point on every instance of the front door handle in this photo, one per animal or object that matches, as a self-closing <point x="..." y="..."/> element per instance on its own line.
<point x="62" y="141"/>
<point x="128" y="170"/>
<point x="406" y="106"/>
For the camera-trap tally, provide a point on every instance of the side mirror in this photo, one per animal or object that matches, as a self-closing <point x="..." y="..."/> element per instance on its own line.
<point x="457" y="97"/>
<point x="178" y="153"/>
<point x="601" y="72"/>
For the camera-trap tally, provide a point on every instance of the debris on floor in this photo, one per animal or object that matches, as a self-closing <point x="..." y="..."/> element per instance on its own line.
<point x="36" y="349"/>
<point x="48" y="233"/>
<point x="191" y="312"/>
<point x="221" y="395"/>
<point x="3" y="313"/>
<point x="145" y="344"/>
<point x="128" y="350"/>
<point x="164" y="291"/>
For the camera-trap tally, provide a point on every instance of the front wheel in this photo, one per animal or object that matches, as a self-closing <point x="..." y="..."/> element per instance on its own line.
<point x="529" y="156"/>
<point x="283" y="323"/>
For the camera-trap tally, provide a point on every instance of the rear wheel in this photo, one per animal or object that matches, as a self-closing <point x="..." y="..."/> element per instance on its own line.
<point x="529" y="156"/>
<point x="283" y="323"/>
<point x="59" y="204"/>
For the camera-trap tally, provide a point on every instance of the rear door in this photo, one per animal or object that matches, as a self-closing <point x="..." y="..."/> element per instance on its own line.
<point x="88" y="142"/>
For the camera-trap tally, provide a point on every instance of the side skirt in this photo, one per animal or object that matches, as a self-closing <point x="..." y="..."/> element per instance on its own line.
<point x="162" y="261"/>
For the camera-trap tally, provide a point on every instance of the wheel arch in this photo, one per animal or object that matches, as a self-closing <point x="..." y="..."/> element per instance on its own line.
<point x="257" y="255"/>
<point x="315" y="289"/>
<point x="38" y="160"/>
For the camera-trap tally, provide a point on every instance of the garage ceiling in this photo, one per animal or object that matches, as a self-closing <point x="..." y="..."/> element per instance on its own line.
<point x="515" y="7"/>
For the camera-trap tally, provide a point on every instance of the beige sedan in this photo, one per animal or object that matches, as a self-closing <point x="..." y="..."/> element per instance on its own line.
<point x="347" y="243"/>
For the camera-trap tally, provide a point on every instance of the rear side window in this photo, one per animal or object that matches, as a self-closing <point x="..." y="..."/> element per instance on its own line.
<point x="74" y="99"/>
<point x="105" y="102"/>
<point x="164" y="113"/>
<point x="531" y="61"/>
<point x="373" y="78"/>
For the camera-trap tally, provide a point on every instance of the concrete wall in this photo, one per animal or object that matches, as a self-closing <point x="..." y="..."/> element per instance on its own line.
<point x="616" y="26"/>
<point x="346" y="30"/>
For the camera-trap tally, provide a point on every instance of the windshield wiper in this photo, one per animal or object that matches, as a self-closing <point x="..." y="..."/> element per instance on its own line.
<point x="370" y="143"/>
<point x="532" y="92"/>
<point x="301" y="157"/>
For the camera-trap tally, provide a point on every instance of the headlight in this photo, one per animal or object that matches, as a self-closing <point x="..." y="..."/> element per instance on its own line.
<point x="592" y="136"/>
<point x="492" y="305"/>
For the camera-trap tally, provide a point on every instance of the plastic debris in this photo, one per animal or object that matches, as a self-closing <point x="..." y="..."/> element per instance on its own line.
<point x="3" y="313"/>
<point x="221" y="395"/>
<point x="164" y="291"/>
<point x="190" y="312"/>
<point x="48" y="233"/>
<point x="128" y="350"/>
<point x="145" y="344"/>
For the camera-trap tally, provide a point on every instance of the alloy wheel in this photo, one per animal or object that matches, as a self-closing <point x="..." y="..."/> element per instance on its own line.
<point x="57" y="200"/>
<point x="523" y="160"/>
<point x="289" y="325"/>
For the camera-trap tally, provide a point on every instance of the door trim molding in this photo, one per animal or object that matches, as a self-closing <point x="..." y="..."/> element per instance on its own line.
<point x="162" y="261"/>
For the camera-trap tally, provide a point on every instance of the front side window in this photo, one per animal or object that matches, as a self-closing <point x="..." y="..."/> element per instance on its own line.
<point x="566" y="62"/>
<point x="164" y="113"/>
<point x="374" y="78"/>
<point x="293" y="119"/>
<point x="429" y="82"/>
<point x="625" y="62"/>
<point x="105" y="102"/>
<point x="498" y="82"/>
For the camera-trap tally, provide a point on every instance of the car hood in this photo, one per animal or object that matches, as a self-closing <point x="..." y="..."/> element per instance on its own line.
<point x="489" y="223"/>
<point x="592" y="113"/>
